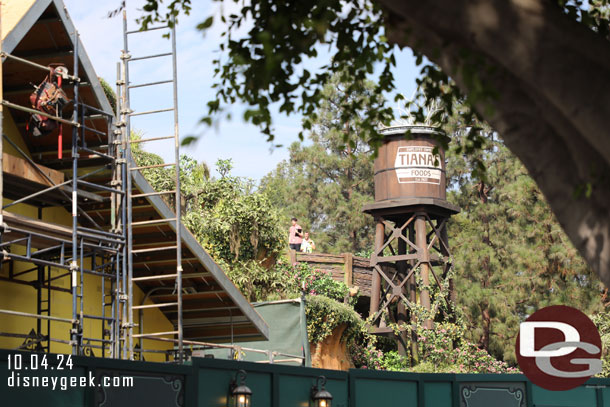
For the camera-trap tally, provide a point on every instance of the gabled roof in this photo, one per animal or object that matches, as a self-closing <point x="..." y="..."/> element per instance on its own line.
<point x="214" y="309"/>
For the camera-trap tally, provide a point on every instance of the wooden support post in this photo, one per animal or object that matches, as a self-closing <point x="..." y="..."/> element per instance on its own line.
<point x="424" y="258"/>
<point x="413" y="298"/>
<point x="348" y="260"/>
<point x="376" y="278"/>
<point x="445" y="252"/>
<point x="412" y="280"/>
<point x="292" y="254"/>
<point x="348" y="269"/>
<point x="401" y="308"/>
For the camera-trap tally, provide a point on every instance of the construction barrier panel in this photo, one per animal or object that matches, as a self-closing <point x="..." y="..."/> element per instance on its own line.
<point x="205" y="382"/>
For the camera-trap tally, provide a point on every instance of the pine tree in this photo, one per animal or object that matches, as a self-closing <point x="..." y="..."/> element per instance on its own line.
<point x="326" y="182"/>
<point x="511" y="256"/>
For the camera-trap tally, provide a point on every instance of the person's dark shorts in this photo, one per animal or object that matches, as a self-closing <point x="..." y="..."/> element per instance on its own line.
<point x="295" y="246"/>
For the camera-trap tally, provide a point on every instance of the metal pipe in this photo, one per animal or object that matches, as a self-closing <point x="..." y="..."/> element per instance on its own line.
<point x="97" y="273"/>
<point x="154" y="334"/>
<point x="166" y="54"/>
<point x="32" y="283"/>
<point x="98" y="186"/>
<point x="153" y="194"/>
<point x="87" y="107"/>
<point x="144" y="140"/>
<point x="24" y="231"/>
<point x="82" y="290"/>
<point x="169" y="109"/>
<point x="44" y="191"/>
<point x="100" y="232"/>
<point x="96" y="316"/>
<point x="162" y="305"/>
<point x="129" y="315"/>
<point x="30" y="315"/>
<point x="96" y="340"/>
<point x="104" y="265"/>
<point x="48" y="287"/>
<point x="103" y="296"/>
<point x="42" y="251"/>
<point x="148" y="29"/>
<point x="178" y="202"/>
<point x="145" y="167"/>
<point x="37" y="261"/>
<point x="90" y="129"/>
<point x="96" y="152"/>
<point x="39" y="300"/>
<point x="41" y="113"/>
<point x="12" y="242"/>
<point x="218" y="345"/>
<point x="34" y="64"/>
<point x="74" y="265"/>
<point x="142" y="85"/>
<point x="141" y="313"/>
<point x="25" y="272"/>
<point x="121" y="279"/>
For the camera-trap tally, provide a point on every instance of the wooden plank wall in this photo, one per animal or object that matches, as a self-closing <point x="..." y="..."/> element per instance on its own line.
<point x="352" y="270"/>
<point x="21" y="168"/>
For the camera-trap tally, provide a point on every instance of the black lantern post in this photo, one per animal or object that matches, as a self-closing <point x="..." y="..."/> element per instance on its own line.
<point x="241" y="395"/>
<point x="319" y="395"/>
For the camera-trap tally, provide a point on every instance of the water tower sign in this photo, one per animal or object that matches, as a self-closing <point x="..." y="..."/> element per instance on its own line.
<point x="417" y="164"/>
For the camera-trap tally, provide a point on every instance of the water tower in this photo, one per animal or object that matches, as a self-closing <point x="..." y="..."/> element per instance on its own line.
<point x="411" y="250"/>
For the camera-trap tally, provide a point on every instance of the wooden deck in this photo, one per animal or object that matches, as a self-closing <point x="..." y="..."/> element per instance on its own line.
<point x="352" y="270"/>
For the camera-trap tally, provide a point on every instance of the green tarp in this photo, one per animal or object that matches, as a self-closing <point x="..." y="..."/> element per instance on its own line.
<point x="287" y="336"/>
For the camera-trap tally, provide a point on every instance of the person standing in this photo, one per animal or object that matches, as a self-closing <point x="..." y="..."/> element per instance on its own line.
<point x="307" y="245"/>
<point x="295" y="235"/>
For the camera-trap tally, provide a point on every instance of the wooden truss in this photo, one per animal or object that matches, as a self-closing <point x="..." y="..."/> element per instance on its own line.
<point x="418" y="244"/>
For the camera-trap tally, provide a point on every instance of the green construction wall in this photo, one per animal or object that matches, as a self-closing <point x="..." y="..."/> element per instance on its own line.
<point x="205" y="382"/>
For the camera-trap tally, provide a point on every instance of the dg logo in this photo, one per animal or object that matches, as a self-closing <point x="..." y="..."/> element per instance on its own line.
<point x="559" y="348"/>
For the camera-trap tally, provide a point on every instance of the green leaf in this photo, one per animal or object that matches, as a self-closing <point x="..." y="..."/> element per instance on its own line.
<point x="205" y="24"/>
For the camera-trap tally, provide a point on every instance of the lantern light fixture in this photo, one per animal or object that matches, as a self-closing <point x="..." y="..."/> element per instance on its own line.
<point x="319" y="395"/>
<point x="241" y="395"/>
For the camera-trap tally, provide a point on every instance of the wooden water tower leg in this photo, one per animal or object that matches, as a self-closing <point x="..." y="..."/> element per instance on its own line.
<point x="413" y="299"/>
<point x="401" y="309"/>
<point x="376" y="278"/>
<point x="412" y="280"/>
<point x="452" y="293"/>
<point x="422" y="245"/>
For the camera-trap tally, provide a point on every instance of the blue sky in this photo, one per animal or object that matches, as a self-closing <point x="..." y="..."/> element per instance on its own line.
<point x="252" y="155"/>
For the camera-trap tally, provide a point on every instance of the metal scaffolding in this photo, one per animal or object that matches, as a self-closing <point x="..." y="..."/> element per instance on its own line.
<point x="104" y="176"/>
<point x="97" y="250"/>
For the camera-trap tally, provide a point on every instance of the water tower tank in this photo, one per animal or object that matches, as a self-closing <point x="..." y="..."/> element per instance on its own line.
<point x="410" y="168"/>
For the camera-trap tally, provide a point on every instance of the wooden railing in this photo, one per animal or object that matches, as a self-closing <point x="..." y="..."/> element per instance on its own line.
<point x="354" y="271"/>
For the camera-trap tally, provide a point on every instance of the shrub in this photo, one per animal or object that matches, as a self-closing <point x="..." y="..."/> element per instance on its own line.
<point x="313" y="281"/>
<point x="444" y="349"/>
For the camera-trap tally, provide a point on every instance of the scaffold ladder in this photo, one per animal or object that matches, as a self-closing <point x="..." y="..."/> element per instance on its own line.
<point x="126" y="114"/>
